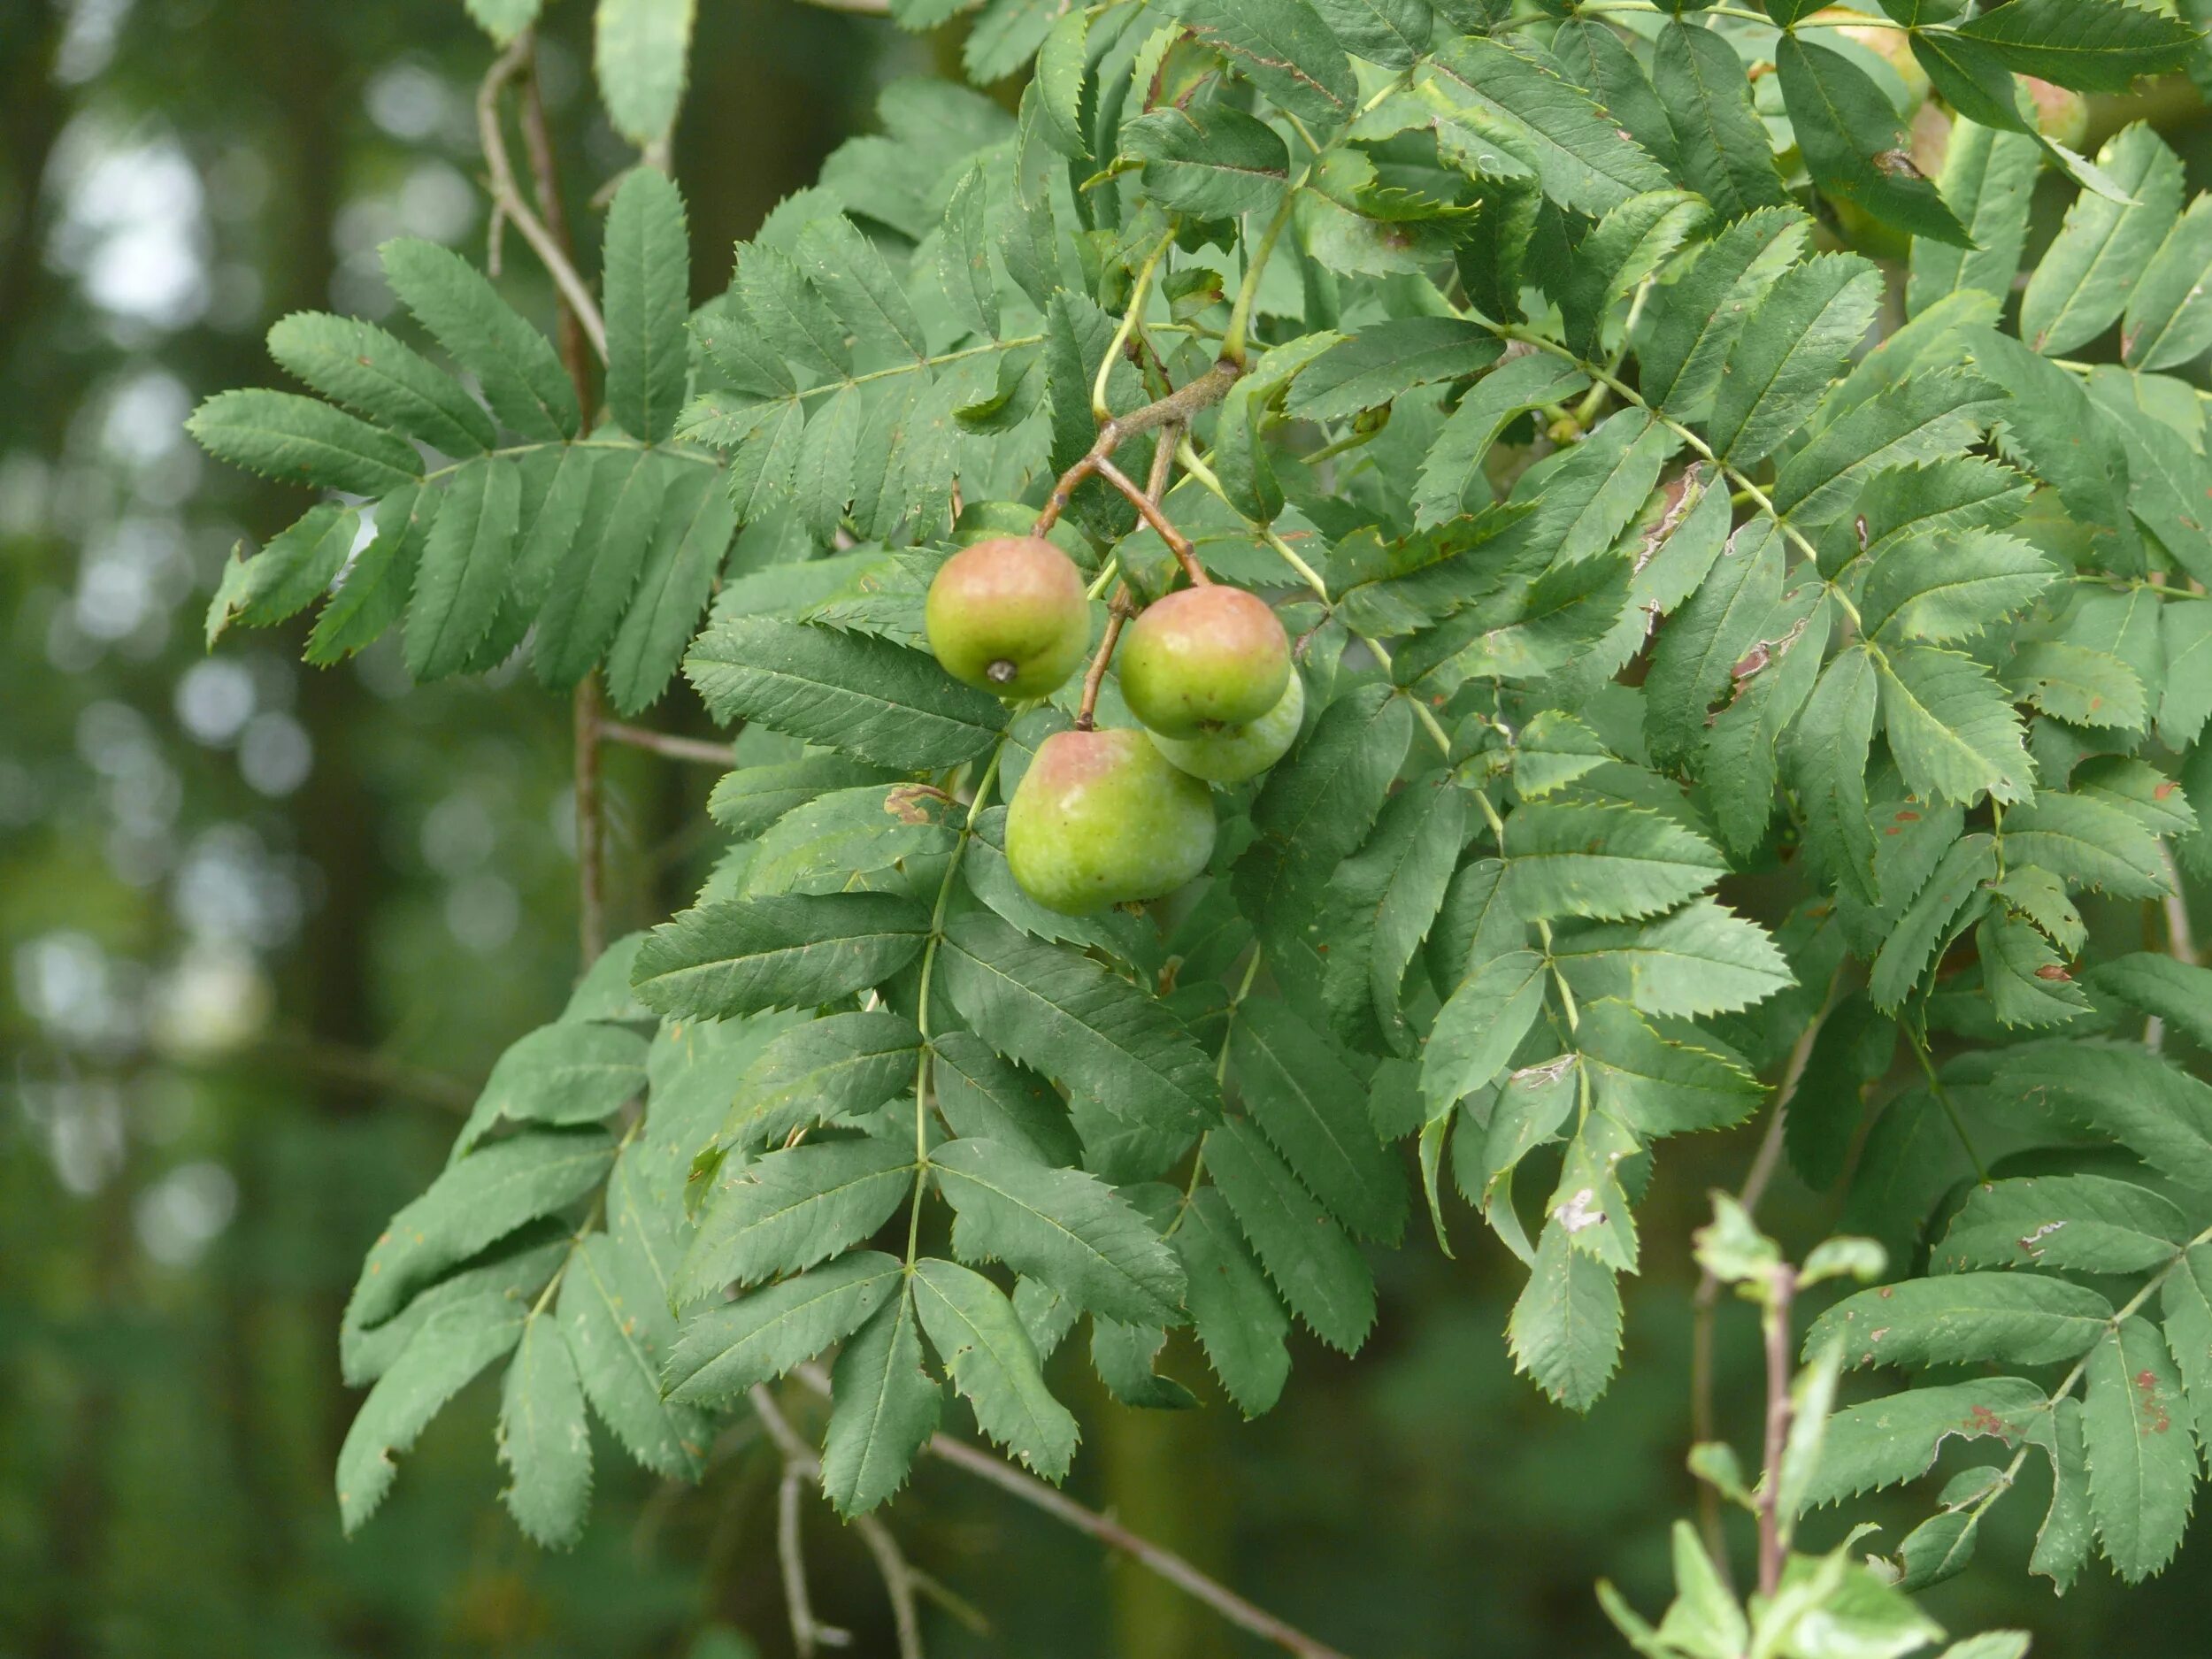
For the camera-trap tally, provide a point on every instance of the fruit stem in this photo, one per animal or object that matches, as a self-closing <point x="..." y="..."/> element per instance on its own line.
<point x="1176" y="408"/>
<point x="1118" y="610"/>
<point x="1178" y="543"/>
<point x="1139" y="293"/>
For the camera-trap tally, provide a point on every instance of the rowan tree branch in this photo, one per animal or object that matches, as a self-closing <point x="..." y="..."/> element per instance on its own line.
<point x="802" y="1466"/>
<point x="702" y="751"/>
<point x="507" y="193"/>
<point x="1158" y="1559"/>
<point x="1176" y="408"/>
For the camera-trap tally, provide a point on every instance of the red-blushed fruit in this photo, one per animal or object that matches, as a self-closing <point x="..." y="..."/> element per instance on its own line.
<point x="1202" y="658"/>
<point x="1009" y="615"/>
<point x="1237" y="752"/>
<point x="1100" y="818"/>
<point x="2061" y="113"/>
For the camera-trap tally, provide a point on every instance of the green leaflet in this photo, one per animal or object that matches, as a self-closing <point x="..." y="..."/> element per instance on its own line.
<point x="466" y="562"/>
<point x="1700" y="959"/>
<point x="2087" y="1224"/>
<point x="290" y="573"/>
<point x="836" y="1065"/>
<point x="437" y="1363"/>
<point x="543" y="1438"/>
<point x="993" y="1365"/>
<point x="1480" y="1025"/>
<point x="1896" y="1438"/>
<point x="1964" y="1318"/>
<point x="788" y="951"/>
<point x="786" y="1211"/>
<point x="1216" y="165"/>
<point x="876" y="701"/>
<point x="1061" y="1013"/>
<point x="476" y="1201"/>
<point x="357" y="363"/>
<point x="2168" y="318"/>
<point x="1583" y="159"/>
<point x="729" y="1348"/>
<point x="640" y="51"/>
<point x="1604" y="862"/>
<point x="1848" y="132"/>
<point x="2081" y="285"/>
<point x="521" y="375"/>
<point x="1386" y="359"/>
<point x="1953" y="733"/>
<point x="1310" y="1105"/>
<point x="1566" y="1331"/>
<point x="2162" y="1116"/>
<point x="2142" y="1467"/>
<point x="1791" y="347"/>
<point x="1656" y="1086"/>
<point x="614" y="1308"/>
<point x="2176" y="992"/>
<point x="568" y="1073"/>
<point x="1726" y="154"/>
<point x="1285" y="50"/>
<point x="1240" y="1323"/>
<point x="1061" y="1226"/>
<point x="299" y="440"/>
<point x="1988" y="177"/>
<point x="887" y="1408"/>
<point x="647" y="262"/>
<point x="1316" y="1269"/>
<point x="2094" y="45"/>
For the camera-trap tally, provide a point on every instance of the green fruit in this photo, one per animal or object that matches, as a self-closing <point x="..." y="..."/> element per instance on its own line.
<point x="1010" y="616"/>
<point x="1237" y="752"/>
<point x="1202" y="658"/>
<point x="2061" y="115"/>
<point x="1101" y="819"/>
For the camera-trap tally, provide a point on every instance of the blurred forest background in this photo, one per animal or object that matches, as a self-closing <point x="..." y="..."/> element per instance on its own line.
<point x="262" y="929"/>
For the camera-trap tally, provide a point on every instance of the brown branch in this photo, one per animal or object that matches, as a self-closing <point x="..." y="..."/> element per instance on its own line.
<point x="1707" y="1298"/>
<point x="591" y="849"/>
<point x="1163" y="525"/>
<point x="1776" y="1321"/>
<point x="537" y="140"/>
<point x="800" y="1465"/>
<point x="1164" y="1561"/>
<point x="508" y="193"/>
<point x="697" y="750"/>
<point x="1118" y="610"/>
<point x="1176" y="408"/>
<point x="365" y="1068"/>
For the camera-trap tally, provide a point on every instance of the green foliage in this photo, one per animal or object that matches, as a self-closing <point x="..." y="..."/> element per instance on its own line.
<point x="1690" y="678"/>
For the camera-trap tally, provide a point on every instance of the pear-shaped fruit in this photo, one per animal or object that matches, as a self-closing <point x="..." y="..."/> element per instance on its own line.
<point x="1009" y="615"/>
<point x="1100" y="818"/>
<point x="2063" y="115"/>
<point x="1202" y="658"/>
<point x="1237" y="752"/>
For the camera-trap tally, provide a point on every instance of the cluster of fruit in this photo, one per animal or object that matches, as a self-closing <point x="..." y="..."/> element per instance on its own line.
<point x="1113" y="817"/>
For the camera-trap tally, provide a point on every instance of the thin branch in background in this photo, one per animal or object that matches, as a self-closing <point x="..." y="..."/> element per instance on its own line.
<point x="806" y="1631"/>
<point x="508" y="194"/>
<point x="696" y="749"/>
<point x="591" y="860"/>
<point x="1160" y="1560"/>
<point x="1706" y="1300"/>
<point x="537" y="140"/>
<point x="801" y="1466"/>
<point x="2181" y="942"/>
<point x="365" y="1068"/>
